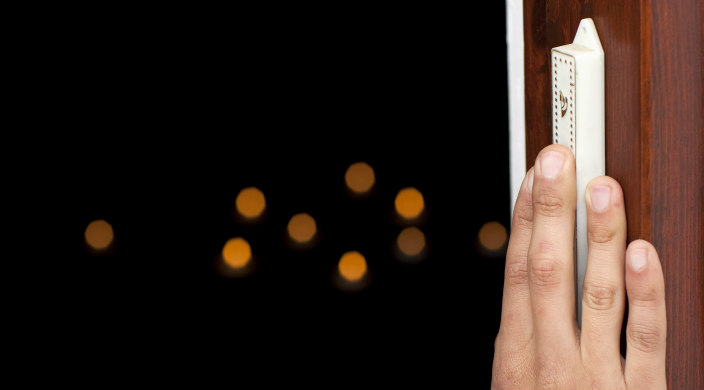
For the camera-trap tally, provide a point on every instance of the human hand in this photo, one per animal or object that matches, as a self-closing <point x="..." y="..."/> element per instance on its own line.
<point x="539" y="344"/>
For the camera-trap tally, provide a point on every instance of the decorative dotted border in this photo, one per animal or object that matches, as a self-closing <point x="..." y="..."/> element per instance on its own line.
<point x="561" y="63"/>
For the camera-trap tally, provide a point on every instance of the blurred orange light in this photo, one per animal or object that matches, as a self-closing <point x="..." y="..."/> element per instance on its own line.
<point x="99" y="234"/>
<point x="409" y="203"/>
<point x="359" y="177"/>
<point x="302" y="228"/>
<point x="492" y="235"/>
<point x="236" y="253"/>
<point x="250" y="202"/>
<point x="411" y="241"/>
<point x="352" y="266"/>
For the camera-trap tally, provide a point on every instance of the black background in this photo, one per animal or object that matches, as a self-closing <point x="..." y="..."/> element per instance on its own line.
<point x="164" y="117"/>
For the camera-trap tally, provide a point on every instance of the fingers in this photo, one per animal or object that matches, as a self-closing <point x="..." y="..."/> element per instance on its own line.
<point x="647" y="324"/>
<point x="515" y="309"/>
<point x="603" y="296"/>
<point x="550" y="257"/>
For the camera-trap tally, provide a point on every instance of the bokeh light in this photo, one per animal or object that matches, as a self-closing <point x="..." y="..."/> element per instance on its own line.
<point x="352" y="266"/>
<point x="409" y="203"/>
<point x="237" y="253"/>
<point x="302" y="228"/>
<point x="360" y="177"/>
<point x="492" y="235"/>
<point x="250" y="203"/>
<point x="99" y="234"/>
<point x="411" y="241"/>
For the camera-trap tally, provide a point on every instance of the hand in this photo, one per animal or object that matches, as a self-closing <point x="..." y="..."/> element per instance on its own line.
<point x="539" y="344"/>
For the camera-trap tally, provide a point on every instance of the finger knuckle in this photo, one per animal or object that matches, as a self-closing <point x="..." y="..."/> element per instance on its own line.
<point x="599" y="297"/>
<point x="498" y="341"/>
<point x="548" y="380"/>
<point x="523" y="217"/>
<point x="545" y="272"/>
<point x="510" y="370"/>
<point x="551" y="373"/>
<point x="549" y="204"/>
<point x="647" y="297"/>
<point x="601" y="234"/>
<point x="643" y="337"/>
<point x="517" y="272"/>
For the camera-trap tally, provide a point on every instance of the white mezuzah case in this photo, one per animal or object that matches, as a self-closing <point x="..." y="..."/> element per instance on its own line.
<point x="577" y="76"/>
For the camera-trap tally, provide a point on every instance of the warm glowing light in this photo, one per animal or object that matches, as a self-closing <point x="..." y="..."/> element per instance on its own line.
<point x="359" y="177"/>
<point x="411" y="241"/>
<point x="99" y="234"/>
<point x="237" y="253"/>
<point x="250" y="202"/>
<point x="352" y="266"/>
<point x="409" y="203"/>
<point x="302" y="228"/>
<point x="492" y="235"/>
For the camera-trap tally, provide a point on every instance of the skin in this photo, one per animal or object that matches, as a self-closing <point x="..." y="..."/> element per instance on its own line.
<point x="539" y="345"/>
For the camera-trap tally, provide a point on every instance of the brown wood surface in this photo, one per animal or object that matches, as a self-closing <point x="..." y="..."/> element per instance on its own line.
<point x="537" y="92"/>
<point x="654" y="138"/>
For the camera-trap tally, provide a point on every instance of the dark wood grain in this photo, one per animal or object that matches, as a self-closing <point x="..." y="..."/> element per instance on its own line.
<point x="537" y="93"/>
<point x="654" y="138"/>
<point x="676" y="177"/>
<point x="617" y="23"/>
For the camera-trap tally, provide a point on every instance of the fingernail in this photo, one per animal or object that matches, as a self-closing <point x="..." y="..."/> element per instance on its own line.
<point x="638" y="259"/>
<point x="551" y="164"/>
<point x="601" y="197"/>
<point x="529" y="183"/>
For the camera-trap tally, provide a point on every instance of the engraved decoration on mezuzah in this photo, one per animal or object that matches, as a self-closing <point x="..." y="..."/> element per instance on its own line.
<point x="563" y="94"/>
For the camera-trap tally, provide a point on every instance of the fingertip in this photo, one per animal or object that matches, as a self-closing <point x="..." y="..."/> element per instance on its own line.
<point x="601" y="184"/>
<point x="562" y="149"/>
<point x="641" y="255"/>
<point x="638" y="259"/>
<point x="645" y="282"/>
<point x="599" y="197"/>
<point x="552" y="161"/>
<point x="526" y="191"/>
<point x="528" y="182"/>
<point x="640" y="243"/>
<point x="523" y="210"/>
<point x="604" y="181"/>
